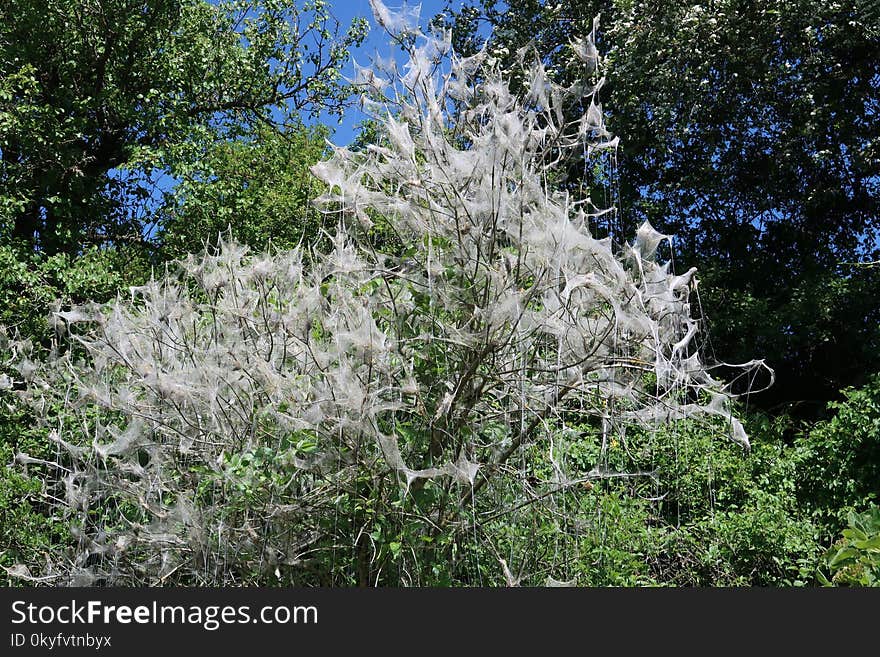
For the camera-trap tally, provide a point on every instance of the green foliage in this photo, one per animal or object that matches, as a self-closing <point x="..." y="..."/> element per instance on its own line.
<point x="854" y="560"/>
<point x="99" y="99"/>
<point x="259" y="188"/>
<point x="31" y="284"/>
<point x="725" y="518"/>
<point x="28" y="530"/>
<point x="756" y="147"/>
<point x="703" y="513"/>
<point x="709" y="514"/>
<point x="838" y="459"/>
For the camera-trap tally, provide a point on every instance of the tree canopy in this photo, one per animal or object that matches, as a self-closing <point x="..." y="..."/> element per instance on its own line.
<point x="750" y="132"/>
<point x="97" y="98"/>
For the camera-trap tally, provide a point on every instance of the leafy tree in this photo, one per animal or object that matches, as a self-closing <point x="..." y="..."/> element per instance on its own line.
<point x="839" y="458"/>
<point x="750" y="132"/>
<point x="98" y="96"/>
<point x="260" y="188"/>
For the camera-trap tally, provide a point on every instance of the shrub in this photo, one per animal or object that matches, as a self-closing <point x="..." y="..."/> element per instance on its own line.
<point x="839" y="458"/>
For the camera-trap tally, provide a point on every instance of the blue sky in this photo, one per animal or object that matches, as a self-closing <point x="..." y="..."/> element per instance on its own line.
<point x="347" y="10"/>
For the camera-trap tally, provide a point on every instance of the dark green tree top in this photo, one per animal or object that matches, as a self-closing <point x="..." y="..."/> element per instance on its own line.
<point x="750" y="131"/>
